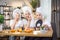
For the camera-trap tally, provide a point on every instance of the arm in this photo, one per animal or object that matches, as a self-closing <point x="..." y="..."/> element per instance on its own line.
<point x="49" y="27"/>
<point x="27" y="25"/>
<point x="27" y="22"/>
<point x="13" y="23"/>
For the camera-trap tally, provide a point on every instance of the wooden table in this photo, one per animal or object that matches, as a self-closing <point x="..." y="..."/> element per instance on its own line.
<point x="47" y="34"/>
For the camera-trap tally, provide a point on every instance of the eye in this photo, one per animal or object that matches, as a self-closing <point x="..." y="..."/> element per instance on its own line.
<point x="25" y="14"/>
<point x="39" y="15"/>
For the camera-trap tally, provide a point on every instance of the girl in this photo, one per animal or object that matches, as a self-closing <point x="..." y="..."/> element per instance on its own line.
<point x="16" y="22"/>
<point x="40" y="21"/>
<point x="28" y="21"/>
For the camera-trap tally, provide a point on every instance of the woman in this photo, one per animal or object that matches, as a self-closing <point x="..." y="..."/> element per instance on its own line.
<point x="39" y="18"/>
<point x="28" y="21"/>
<point x="42" y="22"/>
<point x="16" y="22"/>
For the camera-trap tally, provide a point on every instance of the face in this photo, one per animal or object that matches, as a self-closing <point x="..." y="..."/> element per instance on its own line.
<point x="27" y="15"/>
<point x="38" y="16"/>
<point x="17" y="16"/>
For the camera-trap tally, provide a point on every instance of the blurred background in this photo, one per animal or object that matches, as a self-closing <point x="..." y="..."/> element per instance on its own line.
<point x="50" y="10"/>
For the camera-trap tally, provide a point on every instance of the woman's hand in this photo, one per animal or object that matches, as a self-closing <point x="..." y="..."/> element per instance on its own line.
<point x="47" y="27"/>
<point x="15" y="20"/>
<point x="14" y="23"/>
<point x="27" y="28"/>
<point x="29" y="18"/>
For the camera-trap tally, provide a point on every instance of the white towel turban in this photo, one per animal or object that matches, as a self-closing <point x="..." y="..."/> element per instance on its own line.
<point x="39" y="11"/>
<point x="16" y="11"/>
<point x="27" y="9"/>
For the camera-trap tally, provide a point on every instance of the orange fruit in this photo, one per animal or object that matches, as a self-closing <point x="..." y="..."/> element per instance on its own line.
<point x="28" y="30"/>
<point x="19" y="30"/>
<point x="12" y="31"/>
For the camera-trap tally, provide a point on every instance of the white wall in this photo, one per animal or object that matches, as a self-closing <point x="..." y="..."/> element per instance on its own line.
<point x="45" y="4"/>
<point x="13" y="3"/>
<point x="46" y="8"/>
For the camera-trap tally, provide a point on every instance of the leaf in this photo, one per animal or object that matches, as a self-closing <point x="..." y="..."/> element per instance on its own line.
<point x="34" y="3"/>
<point x="1" y="18"/>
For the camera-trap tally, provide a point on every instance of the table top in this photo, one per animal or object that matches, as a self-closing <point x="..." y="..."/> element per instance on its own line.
<point x="40" y="34"/>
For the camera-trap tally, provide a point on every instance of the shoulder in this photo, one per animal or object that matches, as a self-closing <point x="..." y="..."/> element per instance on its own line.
<point x="32" y="20"/>
<point x="11" y="22"/>
<point x="24" y="20"/>
<point x="47" y="23"/>
<point x="20" y="20"/>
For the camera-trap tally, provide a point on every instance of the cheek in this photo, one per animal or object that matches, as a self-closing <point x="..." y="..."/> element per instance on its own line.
<point x="17" y="16"/>
<point x="27" y="16"/>
<point x="37" y="16"/>
<point x="30" y="17"/>
<point x="40" y="16"/>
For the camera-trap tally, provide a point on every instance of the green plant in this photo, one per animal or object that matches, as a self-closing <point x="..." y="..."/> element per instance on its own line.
<point x="34" y="3"/>
<point x="1" y="19"/>
<point x="42" y="27"/>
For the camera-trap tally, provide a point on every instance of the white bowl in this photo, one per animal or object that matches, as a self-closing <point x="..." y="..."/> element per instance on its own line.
<point x="36" y="32"/>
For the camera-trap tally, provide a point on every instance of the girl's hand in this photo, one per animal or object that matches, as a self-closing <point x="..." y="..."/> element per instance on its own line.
<point x="29" y="18"/>
<point x="16" y="19"/>
<point x="26" y="27"/>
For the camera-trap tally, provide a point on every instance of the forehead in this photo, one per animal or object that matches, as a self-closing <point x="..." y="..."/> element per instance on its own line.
<point x="38" y="14"/>
<point x="17" y="14"/>
<point x="27" y="13"/>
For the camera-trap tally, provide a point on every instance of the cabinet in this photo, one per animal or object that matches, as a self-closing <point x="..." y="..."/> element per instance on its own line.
<point x="6" y="11"/>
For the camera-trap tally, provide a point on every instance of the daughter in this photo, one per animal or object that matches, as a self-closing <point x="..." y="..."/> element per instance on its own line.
<point x="16" y="22"/>
<point x="40" y="21"/>
<point x="29" y="20"/>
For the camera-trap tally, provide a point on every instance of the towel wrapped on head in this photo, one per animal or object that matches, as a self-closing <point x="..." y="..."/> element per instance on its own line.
<point x="27" y="9"/>
<point x="16" y="11"/>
